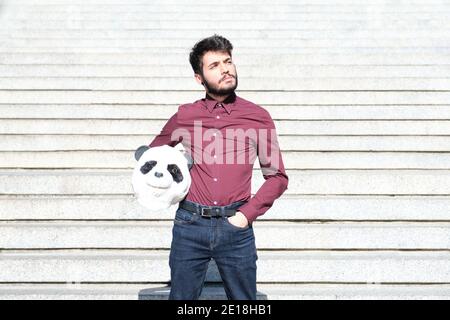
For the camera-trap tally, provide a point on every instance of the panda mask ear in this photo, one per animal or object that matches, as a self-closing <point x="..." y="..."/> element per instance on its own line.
<point x="140" y="151"/>
<point x="188" y="157"/>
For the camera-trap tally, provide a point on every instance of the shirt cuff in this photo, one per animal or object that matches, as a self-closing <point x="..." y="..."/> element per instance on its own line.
<point x="249" y="211"/>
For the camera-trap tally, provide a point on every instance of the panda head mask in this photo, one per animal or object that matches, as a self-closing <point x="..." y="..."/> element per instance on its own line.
<point x="161" y="177"/>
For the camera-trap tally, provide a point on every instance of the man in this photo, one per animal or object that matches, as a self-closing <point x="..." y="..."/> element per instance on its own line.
<point x="215" y="219"/>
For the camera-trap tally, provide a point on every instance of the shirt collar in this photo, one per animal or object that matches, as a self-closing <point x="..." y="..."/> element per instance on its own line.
<point x="228" y="103"/>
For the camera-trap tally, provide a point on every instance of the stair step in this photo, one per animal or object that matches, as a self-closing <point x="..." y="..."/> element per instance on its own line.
<point x="244" y="71"/>
<point x="301" y="182"/>
<point x="292" y="160"/>
<point x="438" y="21"/>
<point x="157" y="3"/>
<point x="283" y="127"/>
<point x="95" y="142"/>
<point x="242" y="44"/>
<point x="278" y="112"/>
<point x="269" y="235"/>
<point x="194" y="35"/>
<point x="152" y="266"/>
<point x="306" y="182"/>
<point x="386" y="51"/>
<point x="187" y="83"/>
<point x="80" y="13"/>
<point x="260" y="98"/>
<point x="265" y="292"/>
<point x="290" y="207"/>
<point x="254" y="59"/>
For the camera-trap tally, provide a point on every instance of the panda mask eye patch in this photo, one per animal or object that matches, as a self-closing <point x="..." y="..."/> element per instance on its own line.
<point x="148" y="166"/>
<point x="175" y="172"/>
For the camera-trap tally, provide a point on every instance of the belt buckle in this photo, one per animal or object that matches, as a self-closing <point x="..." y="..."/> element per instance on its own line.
<point x="203" y="214"/>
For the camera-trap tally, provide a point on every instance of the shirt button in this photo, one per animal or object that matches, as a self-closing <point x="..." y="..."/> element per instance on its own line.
<point x="218" y="117"/>
<point x="215" y="202"/>
<point x="215" y="156"/>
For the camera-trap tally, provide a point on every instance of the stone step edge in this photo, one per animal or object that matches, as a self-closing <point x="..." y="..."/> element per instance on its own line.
<point x="211" y="291"/>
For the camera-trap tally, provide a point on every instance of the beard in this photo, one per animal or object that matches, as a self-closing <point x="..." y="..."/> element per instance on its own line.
<point x="220" y="92"/>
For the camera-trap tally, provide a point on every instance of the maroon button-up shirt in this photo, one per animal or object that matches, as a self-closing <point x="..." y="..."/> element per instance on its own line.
<point x="224" y="140"/>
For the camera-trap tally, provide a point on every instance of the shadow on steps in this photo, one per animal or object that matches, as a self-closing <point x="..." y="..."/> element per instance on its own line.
<point x="211" y="291"/>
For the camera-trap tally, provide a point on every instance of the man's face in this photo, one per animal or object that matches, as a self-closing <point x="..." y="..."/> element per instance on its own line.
<point x="219" y="73"/>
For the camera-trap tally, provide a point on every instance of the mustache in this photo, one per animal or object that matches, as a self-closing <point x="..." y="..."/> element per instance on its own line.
<point x="228" y="75"/>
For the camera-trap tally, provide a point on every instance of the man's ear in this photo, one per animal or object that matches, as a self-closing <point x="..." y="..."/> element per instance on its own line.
<point x="199" y="79"/>
<point x="140" y="151"/>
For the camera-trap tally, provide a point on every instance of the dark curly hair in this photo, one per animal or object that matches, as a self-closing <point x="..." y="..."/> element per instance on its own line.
<point x="213" y="43"/>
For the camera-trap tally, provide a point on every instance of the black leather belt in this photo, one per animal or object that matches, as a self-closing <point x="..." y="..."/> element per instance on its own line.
<point x="211" y="211"/>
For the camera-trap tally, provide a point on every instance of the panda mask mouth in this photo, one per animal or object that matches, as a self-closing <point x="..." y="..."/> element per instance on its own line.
<point x="160" y="177"/>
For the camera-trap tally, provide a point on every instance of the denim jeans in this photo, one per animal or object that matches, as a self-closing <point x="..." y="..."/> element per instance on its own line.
<point x="196" y="240"/>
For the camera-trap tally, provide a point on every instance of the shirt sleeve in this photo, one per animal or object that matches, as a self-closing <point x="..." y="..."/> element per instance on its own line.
<point x="165" y="136"/>
<point x="274" y="173"/>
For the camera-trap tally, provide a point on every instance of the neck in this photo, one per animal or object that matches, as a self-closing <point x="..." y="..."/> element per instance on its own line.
<point x="218" y="98"/>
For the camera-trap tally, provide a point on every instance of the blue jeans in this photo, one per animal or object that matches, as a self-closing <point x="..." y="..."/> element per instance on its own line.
<point x="196" y="240"/>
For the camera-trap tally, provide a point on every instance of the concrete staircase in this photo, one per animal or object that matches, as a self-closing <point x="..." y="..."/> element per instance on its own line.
<point x="359" y="91"/>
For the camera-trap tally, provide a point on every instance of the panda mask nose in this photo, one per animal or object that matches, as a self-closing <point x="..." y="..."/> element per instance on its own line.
<point x="158" y="174"/>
